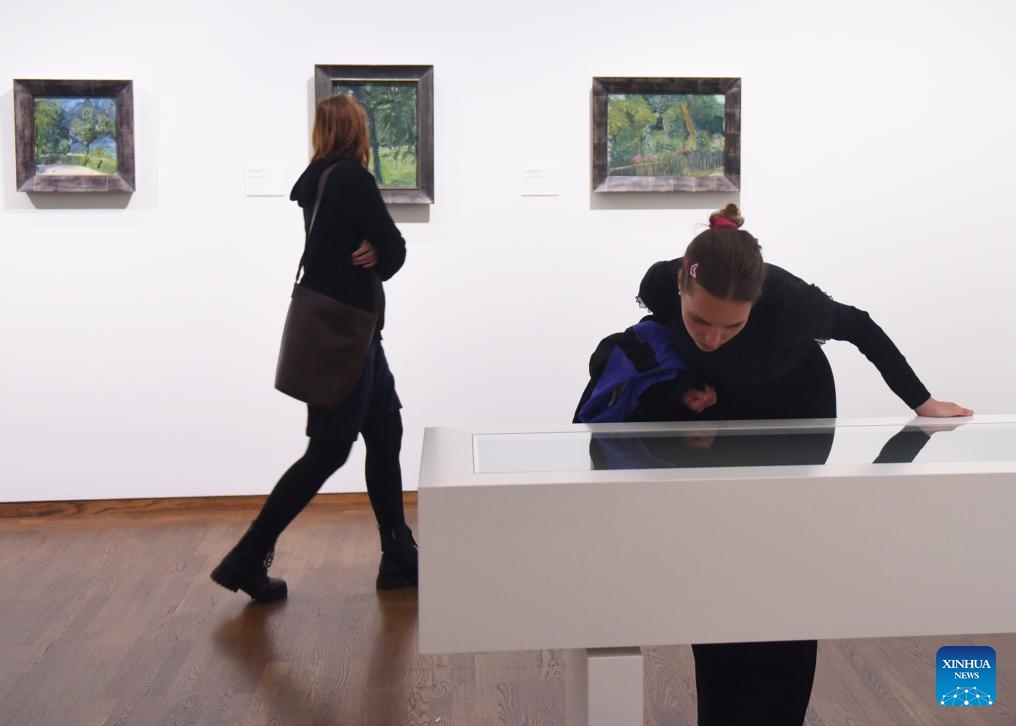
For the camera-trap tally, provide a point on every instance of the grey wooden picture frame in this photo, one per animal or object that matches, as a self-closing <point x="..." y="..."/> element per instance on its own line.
<point x="26" y="91"/>
<point x="729" y="180"/>
<point x="422" y="77"/>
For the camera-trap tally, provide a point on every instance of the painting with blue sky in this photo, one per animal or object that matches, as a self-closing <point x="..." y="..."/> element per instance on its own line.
<point x="75" y="136"/>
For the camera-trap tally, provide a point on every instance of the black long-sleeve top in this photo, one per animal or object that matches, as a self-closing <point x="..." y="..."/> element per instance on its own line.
<point x="780" y="333"/>
<point x="350" y="212"/>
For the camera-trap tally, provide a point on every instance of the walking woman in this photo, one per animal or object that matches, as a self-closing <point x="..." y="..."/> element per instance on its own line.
<point x="752" y="330"/>
<point x="356" y="246"/>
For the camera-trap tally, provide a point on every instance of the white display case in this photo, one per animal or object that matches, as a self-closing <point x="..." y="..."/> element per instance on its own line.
<point x="614" y="536"/>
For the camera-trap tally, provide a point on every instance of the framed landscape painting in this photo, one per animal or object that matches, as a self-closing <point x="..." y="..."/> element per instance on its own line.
<point x="74" y="135"/>
<point x="399" y="104"/>
<point x="666" y="134"/>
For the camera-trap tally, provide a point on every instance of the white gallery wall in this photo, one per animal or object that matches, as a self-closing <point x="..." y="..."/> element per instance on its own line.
<point x="138" y="334"/>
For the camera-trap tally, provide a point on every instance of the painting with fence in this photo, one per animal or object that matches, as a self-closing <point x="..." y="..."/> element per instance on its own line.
<point x="665" y="134"/>
<point x="390" y="107"/>
<point x="75" y="136"/>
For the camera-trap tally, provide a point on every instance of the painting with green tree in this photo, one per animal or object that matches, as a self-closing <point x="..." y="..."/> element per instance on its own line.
<point x="390" y="107"/>
<point x="75" y="136"/>
<point x="665" y="134"/>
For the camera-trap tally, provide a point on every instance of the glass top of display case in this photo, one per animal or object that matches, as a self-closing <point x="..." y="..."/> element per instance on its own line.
<point x="746" y="444"/>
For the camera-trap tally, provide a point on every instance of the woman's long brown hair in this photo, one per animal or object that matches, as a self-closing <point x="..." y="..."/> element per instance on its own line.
<point x="340" y="128"/>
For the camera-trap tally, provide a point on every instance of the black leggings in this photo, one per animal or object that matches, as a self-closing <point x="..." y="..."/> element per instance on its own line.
<point x="754" y="684"/>
<point x="382" y="435"/>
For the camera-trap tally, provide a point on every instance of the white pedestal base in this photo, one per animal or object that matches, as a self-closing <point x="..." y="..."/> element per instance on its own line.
<point x="604" y="687"/>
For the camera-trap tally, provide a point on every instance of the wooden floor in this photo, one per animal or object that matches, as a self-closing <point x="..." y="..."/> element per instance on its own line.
<point x="109" y="618"/>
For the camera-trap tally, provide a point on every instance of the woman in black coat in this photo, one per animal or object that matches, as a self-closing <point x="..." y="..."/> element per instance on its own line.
<point x="354" y="246"/>
<point x="753" y="331"/>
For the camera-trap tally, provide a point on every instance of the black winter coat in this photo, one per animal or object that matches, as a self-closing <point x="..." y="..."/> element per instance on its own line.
<point x="351" y="211"/>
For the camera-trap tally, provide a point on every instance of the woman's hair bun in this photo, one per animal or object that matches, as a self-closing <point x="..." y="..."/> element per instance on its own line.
<point x="731" y="213"/>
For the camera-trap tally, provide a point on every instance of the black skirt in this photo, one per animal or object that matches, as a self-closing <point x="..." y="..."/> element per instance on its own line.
<point x="374" y="392"/>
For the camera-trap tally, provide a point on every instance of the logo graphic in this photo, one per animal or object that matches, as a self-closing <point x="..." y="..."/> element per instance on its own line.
<point x="966" y="675"/>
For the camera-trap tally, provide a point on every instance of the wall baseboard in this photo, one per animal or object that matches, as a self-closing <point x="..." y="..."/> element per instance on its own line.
<point x="169" y="505"/>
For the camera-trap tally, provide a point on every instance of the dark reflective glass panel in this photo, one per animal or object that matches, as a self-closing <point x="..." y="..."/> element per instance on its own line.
<point x="945" y="442"/>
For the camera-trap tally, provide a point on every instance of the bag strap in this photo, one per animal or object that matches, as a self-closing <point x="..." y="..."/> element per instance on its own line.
<point x="313" y="216"/>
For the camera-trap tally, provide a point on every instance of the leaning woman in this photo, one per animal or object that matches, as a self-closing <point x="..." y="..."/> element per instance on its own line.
<point x="752" y="330"/>
<point x="356" y="245"/>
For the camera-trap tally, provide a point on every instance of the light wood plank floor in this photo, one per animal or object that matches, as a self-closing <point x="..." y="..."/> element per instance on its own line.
<point x="109" y="618"/>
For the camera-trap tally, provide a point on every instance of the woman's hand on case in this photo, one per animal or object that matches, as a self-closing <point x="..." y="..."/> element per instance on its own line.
<point x="942" y="409"/>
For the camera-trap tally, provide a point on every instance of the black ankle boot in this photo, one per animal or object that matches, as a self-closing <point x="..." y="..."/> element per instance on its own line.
<point x="399" y="559"/>
<point x="246" y="568"/>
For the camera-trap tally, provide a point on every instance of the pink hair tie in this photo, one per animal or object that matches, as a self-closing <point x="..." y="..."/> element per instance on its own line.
<point x="721" y="223"/>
